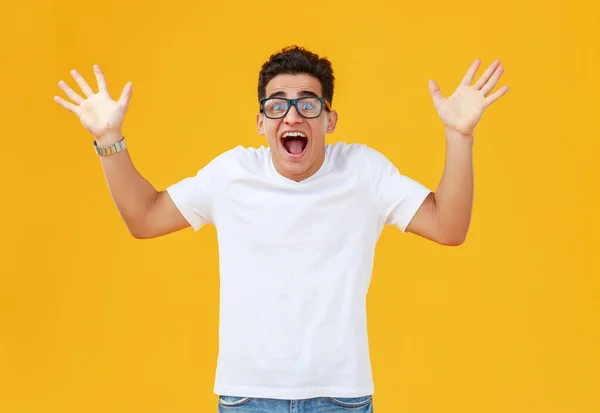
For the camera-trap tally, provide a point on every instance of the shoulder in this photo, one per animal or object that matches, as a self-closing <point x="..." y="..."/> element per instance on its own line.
<point x="250" y="159"/>
<point x="357" y="153"/>
<point x="241" y="161"/>
<point x="237" y="152"/>
<point x="241" y="154"/>
<point x="344" y="152"/>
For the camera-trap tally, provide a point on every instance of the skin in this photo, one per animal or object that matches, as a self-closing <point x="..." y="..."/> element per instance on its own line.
<point x="291" y="87"/>
<point x="445" y="215"/>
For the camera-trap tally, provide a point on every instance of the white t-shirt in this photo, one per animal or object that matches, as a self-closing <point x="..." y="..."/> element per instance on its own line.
<point x="295" y="266"/>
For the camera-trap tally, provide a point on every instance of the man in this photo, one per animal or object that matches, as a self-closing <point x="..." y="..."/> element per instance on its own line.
<point x="297" y="226"/>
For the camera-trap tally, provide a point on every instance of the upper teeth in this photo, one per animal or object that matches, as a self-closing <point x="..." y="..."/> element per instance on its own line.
<point x="285" y="135"/>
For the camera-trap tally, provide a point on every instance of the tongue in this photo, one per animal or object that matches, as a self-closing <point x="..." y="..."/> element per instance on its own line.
<point x="295" y="146"/>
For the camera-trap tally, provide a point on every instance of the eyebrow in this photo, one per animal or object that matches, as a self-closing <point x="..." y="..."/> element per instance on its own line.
<point x="302" y="93"/>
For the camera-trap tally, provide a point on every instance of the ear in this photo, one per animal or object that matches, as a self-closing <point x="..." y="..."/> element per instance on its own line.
<point x="260" y="124"/>
<point x="332" y="118"/>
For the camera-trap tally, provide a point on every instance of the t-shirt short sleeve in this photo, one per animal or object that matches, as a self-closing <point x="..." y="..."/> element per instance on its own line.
<point x="195" y="196"/>
<point x="398" y="197"/>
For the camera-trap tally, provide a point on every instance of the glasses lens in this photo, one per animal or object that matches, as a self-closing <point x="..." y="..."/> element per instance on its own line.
<point x="309" y="107"/>
<point x="275" y="108"/>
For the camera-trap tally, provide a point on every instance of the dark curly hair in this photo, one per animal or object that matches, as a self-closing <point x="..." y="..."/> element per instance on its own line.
<point x="292" y="60"/>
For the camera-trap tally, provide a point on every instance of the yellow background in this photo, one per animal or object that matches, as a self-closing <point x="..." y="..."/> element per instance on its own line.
<point x="92" y="320"/>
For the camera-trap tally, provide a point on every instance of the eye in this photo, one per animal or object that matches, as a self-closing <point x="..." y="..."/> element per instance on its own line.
<point x="278" y="106"/>
<point x="306" y="106"/>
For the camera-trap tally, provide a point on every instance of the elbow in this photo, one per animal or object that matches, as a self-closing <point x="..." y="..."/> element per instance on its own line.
<point x="139" y="233"/>
<point x="454" y="240"/>
<point x="136" y="235"/>
<point x="453" y="236"/>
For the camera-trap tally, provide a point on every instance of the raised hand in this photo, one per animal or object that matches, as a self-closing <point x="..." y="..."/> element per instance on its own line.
<point x="98" y="112"/>
<point x="462" y="111"/>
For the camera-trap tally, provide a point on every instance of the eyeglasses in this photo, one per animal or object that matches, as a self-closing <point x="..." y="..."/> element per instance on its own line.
<point x="308" y="107"/>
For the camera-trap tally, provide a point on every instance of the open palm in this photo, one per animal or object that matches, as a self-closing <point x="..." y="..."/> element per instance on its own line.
<point x="462" y="110"/>
<point x="98" y="112"/>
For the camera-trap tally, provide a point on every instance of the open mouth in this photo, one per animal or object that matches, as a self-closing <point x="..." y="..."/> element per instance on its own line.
<point x="294" y="143"/>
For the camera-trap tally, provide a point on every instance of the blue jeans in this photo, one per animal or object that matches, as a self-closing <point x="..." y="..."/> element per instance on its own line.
<point x="234" y="404"/>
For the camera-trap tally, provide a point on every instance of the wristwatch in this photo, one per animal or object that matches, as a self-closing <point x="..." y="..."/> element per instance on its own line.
<point x="110" y="149"/>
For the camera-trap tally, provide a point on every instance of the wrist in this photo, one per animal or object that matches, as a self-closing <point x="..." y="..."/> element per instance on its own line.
<point x="108" y="139"/>
<point x="454" y="135"/>
<point x="107" y="150"/>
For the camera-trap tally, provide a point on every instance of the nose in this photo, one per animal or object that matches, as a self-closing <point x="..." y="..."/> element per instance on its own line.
<point x="293" y="116"/>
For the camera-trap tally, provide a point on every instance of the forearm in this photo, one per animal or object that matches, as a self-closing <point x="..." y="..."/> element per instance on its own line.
<point x="454" y="195"/>
<point x="132" y="194"/>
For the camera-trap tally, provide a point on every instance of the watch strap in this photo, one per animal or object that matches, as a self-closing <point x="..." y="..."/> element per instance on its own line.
<point x="110" y="149"/>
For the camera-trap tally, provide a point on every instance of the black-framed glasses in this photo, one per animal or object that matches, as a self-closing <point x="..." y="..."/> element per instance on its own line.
<point x="308" y="107"/>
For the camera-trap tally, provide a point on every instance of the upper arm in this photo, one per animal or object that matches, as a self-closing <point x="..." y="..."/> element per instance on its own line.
<point x="162" y="218"/>
<point x="190" y="201"/>
<point x="425" y="222"/>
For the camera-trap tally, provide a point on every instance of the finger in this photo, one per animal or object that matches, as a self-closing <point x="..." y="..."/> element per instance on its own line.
<point x="487" y="88"/>
<point x="67" y="105"/>
<point x="496" y="95"/>
<point x="436" y="93"/>
<point x="85" y="88"/>
<point x="486" y="75"/>
<point x="125" y="96"/>
<point x="70" y="92"/>
<point x="468" y="79"/>
<point x="102" y="87"/>
<point x="122" y="105"/>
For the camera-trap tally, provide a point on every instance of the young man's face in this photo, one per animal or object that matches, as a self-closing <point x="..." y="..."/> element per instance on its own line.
<point x="298" y="157"/>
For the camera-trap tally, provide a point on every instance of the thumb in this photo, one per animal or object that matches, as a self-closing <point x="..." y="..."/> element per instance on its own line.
<point x="125" y="96"/>
<point x="116" y="118"/>
<point x="436" y="94"/>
